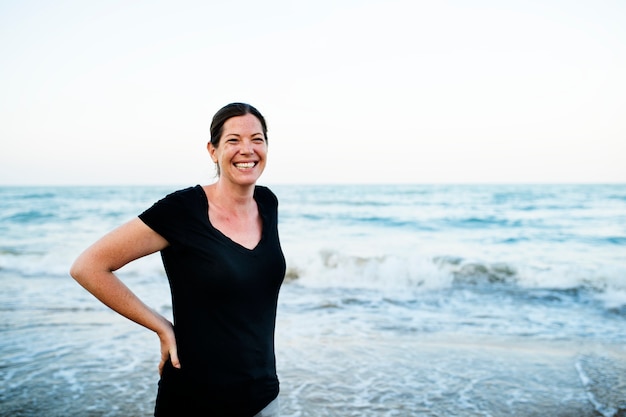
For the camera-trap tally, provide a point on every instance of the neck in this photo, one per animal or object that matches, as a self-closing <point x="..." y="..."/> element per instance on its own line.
<point x="231" y="195"/>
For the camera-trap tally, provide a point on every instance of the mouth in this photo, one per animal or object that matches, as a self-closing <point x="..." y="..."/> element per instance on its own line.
<point x="245" y="165"/>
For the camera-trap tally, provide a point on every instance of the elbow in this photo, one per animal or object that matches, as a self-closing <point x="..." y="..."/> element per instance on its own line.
<point x="82" y="274"/>
<point x="86" y="269"/>
<point x="80" y="269"/>
<point x="76" y="270"/>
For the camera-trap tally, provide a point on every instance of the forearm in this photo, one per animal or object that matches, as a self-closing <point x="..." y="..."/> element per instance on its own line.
<point x="94" y="270"/>
<point x="112" y="292"/>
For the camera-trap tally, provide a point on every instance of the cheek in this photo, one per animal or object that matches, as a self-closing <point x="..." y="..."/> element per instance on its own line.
<point x="222" y="154"/>
<point x="261" y="149"/>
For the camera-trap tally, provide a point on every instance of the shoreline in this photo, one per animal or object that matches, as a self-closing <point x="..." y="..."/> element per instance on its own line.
<point x="445" y="375"/>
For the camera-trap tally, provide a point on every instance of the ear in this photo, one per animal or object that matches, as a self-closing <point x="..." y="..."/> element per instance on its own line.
<point x="212" y="150"/>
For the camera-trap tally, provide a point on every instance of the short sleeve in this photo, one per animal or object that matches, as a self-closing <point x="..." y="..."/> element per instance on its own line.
<point x="265" y="196"/>
<point x="170" y="216"/>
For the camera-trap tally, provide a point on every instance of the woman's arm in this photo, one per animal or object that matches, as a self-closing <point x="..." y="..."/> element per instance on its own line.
<point x="94" y="270"/>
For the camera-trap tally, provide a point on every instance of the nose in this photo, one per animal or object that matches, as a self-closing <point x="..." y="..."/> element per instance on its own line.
<point x="247" y="148"/>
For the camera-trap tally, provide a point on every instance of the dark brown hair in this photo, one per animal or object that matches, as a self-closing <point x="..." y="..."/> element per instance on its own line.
<point x="233" y="110"/>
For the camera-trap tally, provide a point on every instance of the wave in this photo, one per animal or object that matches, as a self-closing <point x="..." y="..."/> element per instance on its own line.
<point x="334" y="268"/>
<point x="31" y="217"/>
<point x="616" y="240"/>
<point x="602" y="380"/>
<point x="482" y="222"/>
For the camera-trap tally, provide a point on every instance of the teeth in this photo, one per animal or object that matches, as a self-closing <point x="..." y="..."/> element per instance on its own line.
<point x="245" y="165"/>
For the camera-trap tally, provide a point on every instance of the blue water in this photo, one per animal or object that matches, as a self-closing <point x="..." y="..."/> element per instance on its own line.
<point x="400" y="300"/>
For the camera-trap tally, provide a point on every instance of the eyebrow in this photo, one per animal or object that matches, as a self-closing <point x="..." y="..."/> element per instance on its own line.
<point x="238" y="135"/>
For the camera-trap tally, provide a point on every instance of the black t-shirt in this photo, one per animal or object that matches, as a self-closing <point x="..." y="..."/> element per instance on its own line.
<point x="224" y="299"/>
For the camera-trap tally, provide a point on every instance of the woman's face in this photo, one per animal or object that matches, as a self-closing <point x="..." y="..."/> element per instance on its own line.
<point x="242" y="150"/>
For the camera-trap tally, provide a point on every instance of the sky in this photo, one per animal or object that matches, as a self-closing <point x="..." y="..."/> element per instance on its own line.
<point x="354" y="91"/>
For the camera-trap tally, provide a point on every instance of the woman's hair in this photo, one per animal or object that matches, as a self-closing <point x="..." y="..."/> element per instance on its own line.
<point x="233" y="110"/>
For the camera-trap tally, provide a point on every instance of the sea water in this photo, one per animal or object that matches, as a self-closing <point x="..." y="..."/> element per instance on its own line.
<point x="399" y="300"/>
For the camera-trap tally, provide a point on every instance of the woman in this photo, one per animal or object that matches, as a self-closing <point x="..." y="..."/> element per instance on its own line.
<point x="221" y="252"/>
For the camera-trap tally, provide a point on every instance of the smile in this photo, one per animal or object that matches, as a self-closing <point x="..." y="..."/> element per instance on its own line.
<point x="245" y="165"/>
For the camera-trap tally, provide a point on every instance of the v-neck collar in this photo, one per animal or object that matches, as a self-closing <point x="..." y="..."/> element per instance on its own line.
<point x="221" y="235"/>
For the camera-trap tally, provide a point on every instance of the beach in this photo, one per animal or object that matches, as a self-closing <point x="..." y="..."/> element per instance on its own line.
<point x="403" y="300"/>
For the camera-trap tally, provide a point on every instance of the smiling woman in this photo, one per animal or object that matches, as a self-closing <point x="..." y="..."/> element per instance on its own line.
<point x="239" y="152"/>
<point x="229" y="122"/>
<point x="240" y="158"/>
<point x="222" y="256"/>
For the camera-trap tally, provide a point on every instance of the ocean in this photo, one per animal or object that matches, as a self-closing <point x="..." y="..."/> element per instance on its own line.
<point x="399" y="300"/>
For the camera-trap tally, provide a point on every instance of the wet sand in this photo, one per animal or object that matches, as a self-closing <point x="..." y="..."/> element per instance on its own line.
<point x="445" y="375"/>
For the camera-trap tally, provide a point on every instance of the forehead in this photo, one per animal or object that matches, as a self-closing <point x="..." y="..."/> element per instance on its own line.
<point x="246" y="124"/>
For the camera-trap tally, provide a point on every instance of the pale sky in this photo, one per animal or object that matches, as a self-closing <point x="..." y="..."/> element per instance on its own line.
<point x="354" y="91"/>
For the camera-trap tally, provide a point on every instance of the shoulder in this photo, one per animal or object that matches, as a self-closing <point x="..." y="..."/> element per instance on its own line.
<point x="185" y="193"/>
<point x="173" y="213"/>
<point x="183" y="196"/>
<point x="263" y="194"/>
<point x="174" y="201"/>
